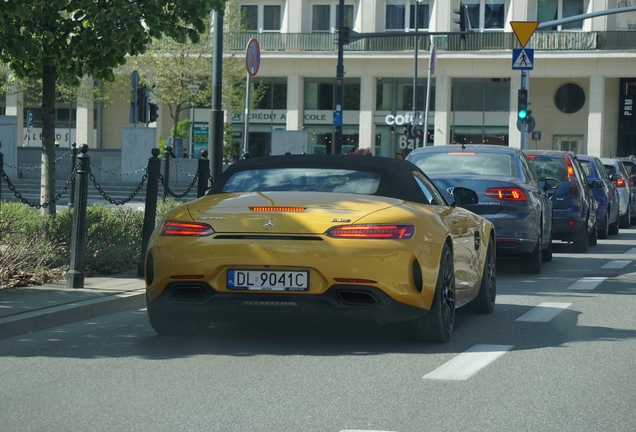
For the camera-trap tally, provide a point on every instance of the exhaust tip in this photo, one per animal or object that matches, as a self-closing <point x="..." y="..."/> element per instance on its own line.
<point x="357" y="298"/>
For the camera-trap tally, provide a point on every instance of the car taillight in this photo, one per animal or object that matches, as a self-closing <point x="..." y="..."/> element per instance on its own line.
<point x="574" y="185"/>
<point x="397" y="232"/>
<point x="175" y="228"/>
<point x="619" y="183"/>
<point x="506" y="193"/>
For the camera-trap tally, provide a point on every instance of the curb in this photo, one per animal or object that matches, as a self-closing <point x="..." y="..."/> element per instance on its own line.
<point x="28" y="322"/>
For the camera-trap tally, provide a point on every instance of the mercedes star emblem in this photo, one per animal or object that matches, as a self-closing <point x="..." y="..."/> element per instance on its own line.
<point x="268" y="224"/>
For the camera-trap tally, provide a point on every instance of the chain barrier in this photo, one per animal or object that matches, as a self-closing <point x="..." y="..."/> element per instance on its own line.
<point x="180" y="167"/>
<point x="163" y="183"/>
<point x="109" y="199"/>
<point x="118" y="174"/>
<point x="23" y="200"/>
<point x="35" y="167"/>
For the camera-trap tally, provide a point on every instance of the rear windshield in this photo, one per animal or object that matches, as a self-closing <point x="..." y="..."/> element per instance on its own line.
<point x="587" y="167"/>
<point x="611" y="169"/>
<point x="549" y="167"/>
<point x="305" y="180"/>
<point x="461" y="163"/>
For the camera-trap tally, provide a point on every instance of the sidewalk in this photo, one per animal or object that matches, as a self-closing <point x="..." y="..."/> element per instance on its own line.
<point x="24" y="310"/>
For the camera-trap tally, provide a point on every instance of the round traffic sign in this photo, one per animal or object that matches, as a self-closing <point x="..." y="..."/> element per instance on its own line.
<point x="252" y="57"/>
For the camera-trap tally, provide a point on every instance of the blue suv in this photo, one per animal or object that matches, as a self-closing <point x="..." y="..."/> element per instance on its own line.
<point x="574" y="208"/>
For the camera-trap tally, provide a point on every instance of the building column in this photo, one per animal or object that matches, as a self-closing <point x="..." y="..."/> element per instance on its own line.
<point x="595" y="117"/>
<point x="15" y="107"/>
<point x="368" y="88"/>
<point x="295" y="102"/>
<point x="514" y="135"/>
<point x="443" y="97"/>
<point x="84" y="124"/>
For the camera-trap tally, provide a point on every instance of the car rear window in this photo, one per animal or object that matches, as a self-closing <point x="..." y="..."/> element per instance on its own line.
<point x="549" y="167"/>
<point x="611" y="169"/>
<point x="304" y="180"/>
<point x="462" y="163"/>
<point x="587" y="167"/>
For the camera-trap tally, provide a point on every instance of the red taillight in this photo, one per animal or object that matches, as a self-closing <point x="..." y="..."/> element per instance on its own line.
<point x="619" y="183"/>
<point x="506" y="194"/>
<point x="175" y="228"/>
<point x="398" y="232"/>
<point x="574" y="185"/>
<point x="531" y="156"/>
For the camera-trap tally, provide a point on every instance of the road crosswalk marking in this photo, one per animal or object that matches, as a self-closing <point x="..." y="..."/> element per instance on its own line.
<point x="617" y="264"/>
<point x="468" y="363"/>
<point x="632" y="251"/>
<point x="544" y="312"/>
<point x="587" y="283"/>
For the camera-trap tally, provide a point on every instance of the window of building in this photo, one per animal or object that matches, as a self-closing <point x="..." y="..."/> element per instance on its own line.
<point x="249" y="18"/>
<point x="475" y="94"/>
<point x="324" y="18"/>
<point x="572" y="143"/>
<point x="486" y="14"/>
<point x="404" y="96"/>
<point x="400" y="14"/>
<point x="569" y="98"/>
<point x="259" y="18"/>
<point x="321" y="94"/>
<point x="550" y="10"/>
<point x="275" y="96"/>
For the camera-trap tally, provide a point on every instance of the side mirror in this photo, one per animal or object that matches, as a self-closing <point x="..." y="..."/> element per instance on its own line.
<point x="595" y="184"/>
<point x="465" y="196"/>
<point x="550" y="183"/>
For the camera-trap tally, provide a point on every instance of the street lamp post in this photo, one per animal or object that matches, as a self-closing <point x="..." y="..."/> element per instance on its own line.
<point x="415" y="112"/>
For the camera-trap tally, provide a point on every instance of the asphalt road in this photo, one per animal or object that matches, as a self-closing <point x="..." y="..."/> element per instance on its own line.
<point x="556" y="355"/>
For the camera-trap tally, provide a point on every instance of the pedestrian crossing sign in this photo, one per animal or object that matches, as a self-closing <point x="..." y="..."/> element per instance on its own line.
<point x="522" y="59"/>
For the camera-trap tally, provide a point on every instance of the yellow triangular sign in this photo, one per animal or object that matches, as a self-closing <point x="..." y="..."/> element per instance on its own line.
<point x="524" y="30"/>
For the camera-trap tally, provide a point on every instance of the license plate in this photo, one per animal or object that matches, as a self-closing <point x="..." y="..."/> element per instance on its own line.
<point x="268" y="280"/>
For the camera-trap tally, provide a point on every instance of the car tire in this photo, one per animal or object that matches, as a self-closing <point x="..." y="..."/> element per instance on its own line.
<point x="625" y="220"/>
<point x="592" y="239"/>
<point x="531" y="262"/>
<point x="614" y="226"/>
<point x="170" y="324"/>
<point x="437" y="325"/>
<point x="581" y="245"/>
<point x="486" y="297"/>
<point x="603" y="233"/>
<point x="546" y="254"/>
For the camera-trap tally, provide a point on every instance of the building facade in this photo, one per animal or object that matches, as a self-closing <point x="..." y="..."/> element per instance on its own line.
<point x="581" y="87"/>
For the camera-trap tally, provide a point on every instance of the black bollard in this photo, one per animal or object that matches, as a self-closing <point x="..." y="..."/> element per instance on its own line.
<point x="75" y="276"/>
<point x="71" y="197"/>
<point x="166" y="170"/>
<point x="150" y="213"/>
<point x="204" y="173"/>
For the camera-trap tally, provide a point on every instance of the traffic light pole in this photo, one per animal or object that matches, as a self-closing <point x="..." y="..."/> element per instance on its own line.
<point x="525" y="84"/>
<point x="337" y="115"/>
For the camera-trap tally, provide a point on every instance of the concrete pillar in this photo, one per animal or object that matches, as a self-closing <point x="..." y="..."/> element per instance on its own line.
<point x="85" y="123"/>
<point x="295" y="102"/>
<point x="514" y="136"/>
<point x="15" y="107"/>
<point x="368" y="85"/>
<point x="595" y="118"/>
<point x="443" y="95"/>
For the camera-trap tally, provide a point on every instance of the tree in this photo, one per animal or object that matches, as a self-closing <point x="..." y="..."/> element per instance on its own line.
<point x="65" y="40"/>
<point x="179" y="75"/>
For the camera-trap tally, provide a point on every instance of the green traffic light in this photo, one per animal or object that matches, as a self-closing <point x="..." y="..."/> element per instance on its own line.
<point x="522" y="114"/>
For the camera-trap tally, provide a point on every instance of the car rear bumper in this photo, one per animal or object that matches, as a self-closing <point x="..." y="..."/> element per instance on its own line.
<point x="199" y="300"/>
<point x="562" y="230"/>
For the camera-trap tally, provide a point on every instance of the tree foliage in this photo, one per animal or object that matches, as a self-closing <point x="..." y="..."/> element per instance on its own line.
<point x="65" y="40"/>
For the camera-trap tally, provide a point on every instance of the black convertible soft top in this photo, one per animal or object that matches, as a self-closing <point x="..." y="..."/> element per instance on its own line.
<point x="396" y="176"/>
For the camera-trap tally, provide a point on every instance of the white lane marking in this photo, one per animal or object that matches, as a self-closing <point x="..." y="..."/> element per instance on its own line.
<point x="468" y="363"/>
<point x="544" y="312"/>
<point x="617" y="264"/>
<point x="362" y="430"/>
<point x="631" y="251"/>
<point x="587" y="283"/>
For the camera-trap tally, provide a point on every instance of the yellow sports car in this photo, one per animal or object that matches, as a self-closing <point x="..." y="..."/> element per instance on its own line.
<point x="321" y="235"/>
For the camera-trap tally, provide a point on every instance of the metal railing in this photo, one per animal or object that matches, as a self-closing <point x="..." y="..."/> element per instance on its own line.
<point x="485" y="41"/>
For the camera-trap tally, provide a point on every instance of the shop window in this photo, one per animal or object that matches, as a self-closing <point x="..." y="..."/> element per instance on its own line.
<point x="320" y="95"/>
<point x="481" y="95"/>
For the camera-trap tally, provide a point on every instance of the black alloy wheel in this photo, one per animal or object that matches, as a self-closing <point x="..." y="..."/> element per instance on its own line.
<point x="603" y="232"/>
<point x="485" y="300"/>
<point x="531" y="262"/>
<point x="581" y="245"/>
